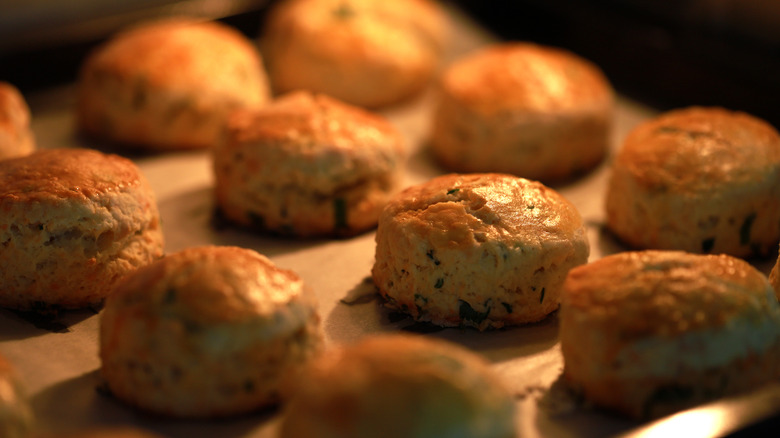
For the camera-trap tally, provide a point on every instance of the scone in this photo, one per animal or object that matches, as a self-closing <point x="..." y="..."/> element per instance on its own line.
<point x="702" y="180"/>
<point x="369" y="53"/>
<point x="168" y="84"/>
<point x="390" y="386"/>
<point x="647" y="333"/>
<point x="478" y="250"/>
<point x="533" y="111"/>
<point x="16" y="137"/>
<point x="206" y="332"/>
<point x="16" y="415"/>
<point x="73" y="222"/>
<point x="307" y="165"/>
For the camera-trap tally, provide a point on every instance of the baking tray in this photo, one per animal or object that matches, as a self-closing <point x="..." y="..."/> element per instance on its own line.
<point x="58" y="359"/>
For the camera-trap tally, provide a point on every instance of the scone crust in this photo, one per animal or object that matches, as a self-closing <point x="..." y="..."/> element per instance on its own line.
<point x="307" y="165"/>
<point x="369" y="53"/>
<point x="207" y="331"/>
<point x="16" y="137"/>
<point x="399" y="385"/>
<point x="479" y="250"/>
<point x="698" y="179"/>
<point x="533" y="111"/>
<point x="73" y="222"/>
<point x="169" y="84"/>
<point x="647" y="332"/>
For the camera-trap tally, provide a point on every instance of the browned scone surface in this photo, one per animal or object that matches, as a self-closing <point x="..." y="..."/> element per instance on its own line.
<point x="533" y="111"/>
<point x="16" y="137"/>
<point x="390" y="386"/>
<point x="206" y="332"/>
<point x="647" y="333"/>
<point x="307" y="165"/>
<point x="369" y="53"/>
<point x="479" y="250"/>
<point x="168" y="84"/>
<point x="73" y="222"/>
<point x="698" y="179"/>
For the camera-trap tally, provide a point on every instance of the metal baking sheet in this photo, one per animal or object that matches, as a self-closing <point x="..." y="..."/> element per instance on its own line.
<point x="58" y="360"/>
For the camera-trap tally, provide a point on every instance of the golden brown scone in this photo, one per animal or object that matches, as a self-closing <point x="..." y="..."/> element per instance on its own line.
<point x="399" y="386"/>
<point x="533" y="111"/>
<point x="206" y="332"/>
<point x="307" y="165"/>
<point x="16" y="137"/>
<point x="73" y="222"/>
<point x="478" y="250"/>
<point x="368" y="53"/>
<point x="16" y="415"/>
<point x="702" y="180"/>
<point x="169" y="84"/>
<point x="647" y="333"/>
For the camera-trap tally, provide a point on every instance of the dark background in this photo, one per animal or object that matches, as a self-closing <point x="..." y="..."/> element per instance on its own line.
<point x="664" y="53"/>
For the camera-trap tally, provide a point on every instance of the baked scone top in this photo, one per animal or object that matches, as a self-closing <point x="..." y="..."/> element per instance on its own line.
<point x="52" y="174"/>
<point x="354" y="28"/>
<point x="667" y="293"/>
<point x="384" y="359"/>
<point x="183" y="54"/>
<point x="216" y="285"/>
<point x="696" y="148"/>
<point x="523" y="76"/>
<point x="314" y="141"/>
<point x="458" y="210"/>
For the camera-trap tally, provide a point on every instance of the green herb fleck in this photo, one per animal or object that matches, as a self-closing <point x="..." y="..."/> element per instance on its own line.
<point x="668" y="130"/>
<point x="433" y="257"/>
<point x="439" y="283"/>
<point x="530" y="206"/>
<point x="508" y="307"/>
<point x="666" y="395"/>
<point x="541" y="296"/>
<point x="170" y="296"/>
<point x="256" y="221"/>
<point x="421" y="298"/>
<point x="340" y="214"/>
<point x="344" y="11"/>
<point x="744" y="230"/>
<point x="451" y="191"/>
<point x="467" y="313"/>
<point x="707" y="244"/>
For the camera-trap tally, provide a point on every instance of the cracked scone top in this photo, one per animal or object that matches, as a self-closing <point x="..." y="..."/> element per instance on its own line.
<point x="169" y="84"/>
<point x="369" y="53"/>
<point x="206" y="332"/>
<point x="479" y="250"/>
<point x="649" y="332"/>
<point x="73" y="222"/>
<point x="702" y="180"/>
<point x="392" y="386"/>
<point x="307" y="165"/>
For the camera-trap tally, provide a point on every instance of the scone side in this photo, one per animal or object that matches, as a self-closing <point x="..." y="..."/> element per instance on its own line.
<point x="69" y="253"/>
